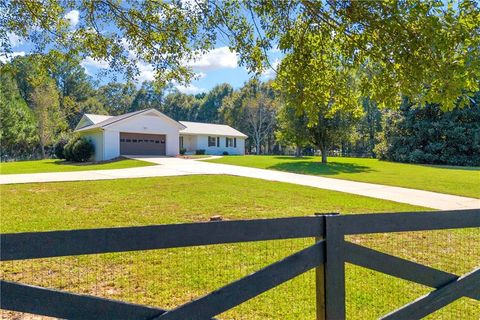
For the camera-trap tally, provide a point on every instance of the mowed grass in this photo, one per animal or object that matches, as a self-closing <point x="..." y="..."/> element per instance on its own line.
<point x="56" y="165"/>
<point x="464" y="181"/>
<point x="168" y="278"/>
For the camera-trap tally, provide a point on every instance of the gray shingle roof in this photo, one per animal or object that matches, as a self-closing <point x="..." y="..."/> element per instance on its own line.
<point x="210" y="129"/>
<point x="101" y="121"/>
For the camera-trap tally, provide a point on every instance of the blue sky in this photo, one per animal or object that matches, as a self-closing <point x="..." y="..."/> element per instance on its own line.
<point x="219" y="65"/>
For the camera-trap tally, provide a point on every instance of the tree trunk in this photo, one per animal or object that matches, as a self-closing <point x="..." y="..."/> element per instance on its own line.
<point x="42" y="149"/>
<point x="298" y="151"/>
<point x="257" y="148"/>
<point x="324" y="150"/>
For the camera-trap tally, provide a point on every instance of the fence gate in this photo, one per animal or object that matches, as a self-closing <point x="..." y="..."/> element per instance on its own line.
<point x="447" y="287"/>
<point x="327" y="256"/>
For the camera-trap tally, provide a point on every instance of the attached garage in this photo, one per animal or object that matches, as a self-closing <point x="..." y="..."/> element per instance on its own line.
<point x="142" y="144"/>
<point x="144" y="132"/>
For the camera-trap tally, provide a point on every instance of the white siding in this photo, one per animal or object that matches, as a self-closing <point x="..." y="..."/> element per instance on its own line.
<point x="111" y="141"/>
<point x="152" y="125"/>
<point x="97" y="140"/>
<point x="202" y="143"/>
<point x="190" y="143"/>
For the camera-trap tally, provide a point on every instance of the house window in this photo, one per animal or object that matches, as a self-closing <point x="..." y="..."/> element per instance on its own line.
<point x="228" y="142"/>
<point x="211" y="141"/>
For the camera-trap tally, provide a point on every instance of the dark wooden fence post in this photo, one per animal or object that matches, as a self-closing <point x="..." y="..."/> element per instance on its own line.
<point x="334" y="270"/>
<point x="320" y="285"/>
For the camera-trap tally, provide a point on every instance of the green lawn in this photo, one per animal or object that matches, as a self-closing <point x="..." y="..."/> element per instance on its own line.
<point x="464" y="181"/>
<point x="56" y="165"/>
<point x="166" y="278"/>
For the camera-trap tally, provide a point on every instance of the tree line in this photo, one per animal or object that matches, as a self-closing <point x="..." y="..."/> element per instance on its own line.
<point x="41" y="103"/>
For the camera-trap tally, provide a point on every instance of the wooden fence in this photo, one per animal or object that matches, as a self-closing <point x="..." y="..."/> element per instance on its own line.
<point x="328" y="256"/>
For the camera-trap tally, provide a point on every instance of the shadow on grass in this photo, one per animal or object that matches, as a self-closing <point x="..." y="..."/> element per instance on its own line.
<point x="88" y="163"/>
<point x="292" y="158"/>
<point x="318" y="168"/>
<point x="70" y="163"/>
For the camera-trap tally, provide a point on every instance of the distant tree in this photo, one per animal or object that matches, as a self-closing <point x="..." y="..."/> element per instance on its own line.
<point x="293" y="128"/>
<point x="260" y="116"/>
<point x="363" y="138"/>
<point x="45" y="106"/>
<point x="39" y="91"/>
<point x="427" y="134"/>
<point x="212" y="102"/>
<point x="18" y="134"/>
<point x="148" y="96"/>
<point x="181" y="106"/>
<point x="74" y="86"/>
<point x="117" y="98"/>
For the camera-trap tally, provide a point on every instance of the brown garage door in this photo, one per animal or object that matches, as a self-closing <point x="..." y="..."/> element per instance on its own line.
<point x="142" y="144"/>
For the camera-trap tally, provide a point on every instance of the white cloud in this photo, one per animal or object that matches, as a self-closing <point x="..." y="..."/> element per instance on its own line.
<point x="14" y="39"/>
<point x="147" y="73"/>
<point x="189" y="89"/>
<point x="270" y="72"/>
<point x="200" y="75"/>
<point x="73" y="17"/>
<point x="217" y="58"/>
<point x="90" y="62"/>
<point x="6" y="57"/>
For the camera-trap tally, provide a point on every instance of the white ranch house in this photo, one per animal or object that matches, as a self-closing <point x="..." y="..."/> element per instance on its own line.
<point x="150" y="132"/>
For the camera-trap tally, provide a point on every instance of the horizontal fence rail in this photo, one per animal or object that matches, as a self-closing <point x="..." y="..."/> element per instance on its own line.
<point x="64" y="305"/>
<point x="33" y="245"/>
<point x="408" y="221"/>
<point x="328" y="255"/>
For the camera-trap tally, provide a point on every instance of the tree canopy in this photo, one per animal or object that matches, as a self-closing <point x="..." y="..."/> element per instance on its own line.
<point x="426" y="50"/>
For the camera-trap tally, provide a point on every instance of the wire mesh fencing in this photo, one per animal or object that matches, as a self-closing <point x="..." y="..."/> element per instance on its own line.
<point x="371" y="294"/>
<point x="167" y="278"/>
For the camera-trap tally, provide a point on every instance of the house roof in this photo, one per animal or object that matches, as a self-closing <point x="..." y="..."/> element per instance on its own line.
<point x="210" y="129"/>
<point x="101" y="121"/>
<point x="96" y="118"/>
<point x="97" y="121"/>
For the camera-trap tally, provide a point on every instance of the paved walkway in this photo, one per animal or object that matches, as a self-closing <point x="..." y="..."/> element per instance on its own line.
<point x="176" y="167"/>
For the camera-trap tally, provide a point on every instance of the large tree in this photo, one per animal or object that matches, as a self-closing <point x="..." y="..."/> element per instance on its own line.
<point x="426" y="50"/>
<point x="316" y="80"/>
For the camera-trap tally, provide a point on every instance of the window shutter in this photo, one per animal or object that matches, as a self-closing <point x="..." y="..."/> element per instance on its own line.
<point x="234" y="142"/>
<point x="218" y="141"/>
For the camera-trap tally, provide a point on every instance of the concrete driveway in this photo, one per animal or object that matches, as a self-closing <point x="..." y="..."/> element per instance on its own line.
<point x="176" y="167"/>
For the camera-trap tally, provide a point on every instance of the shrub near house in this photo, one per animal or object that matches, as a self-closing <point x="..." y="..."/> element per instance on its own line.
<point x="79" y="149"/>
